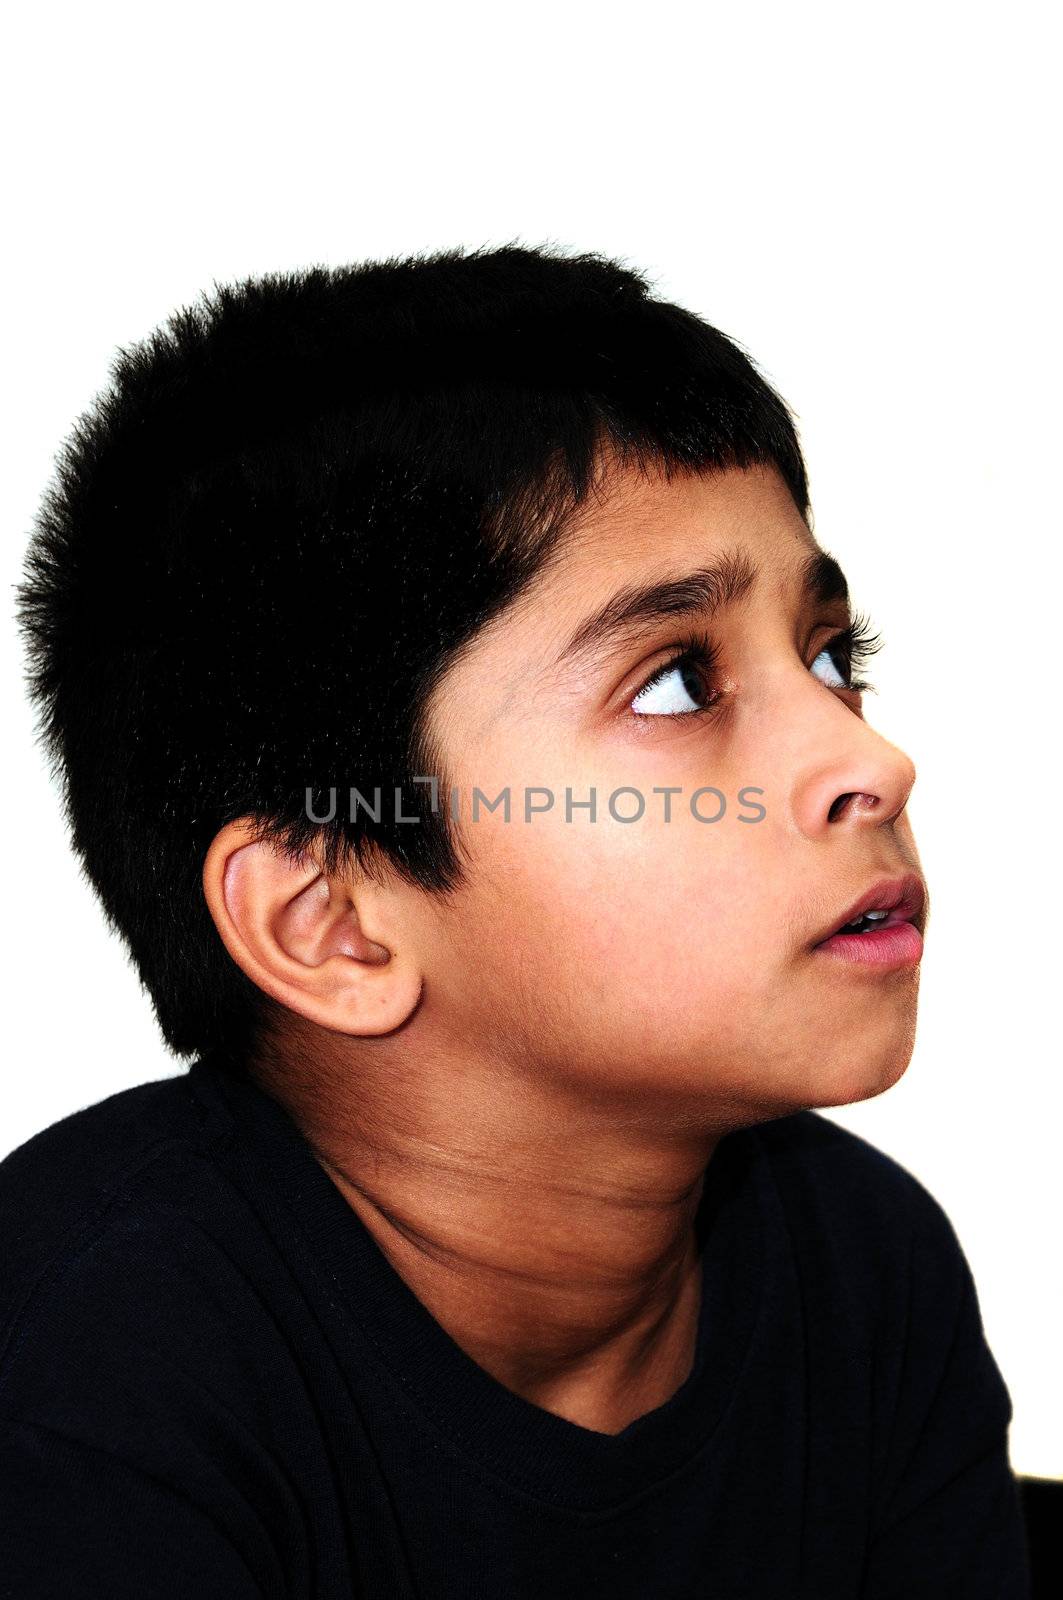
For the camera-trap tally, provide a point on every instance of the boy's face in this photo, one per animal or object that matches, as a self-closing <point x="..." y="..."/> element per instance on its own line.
<point x="670" y="964"/>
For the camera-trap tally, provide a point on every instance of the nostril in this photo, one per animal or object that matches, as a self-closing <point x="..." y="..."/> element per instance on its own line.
<point x="842" y="803"/>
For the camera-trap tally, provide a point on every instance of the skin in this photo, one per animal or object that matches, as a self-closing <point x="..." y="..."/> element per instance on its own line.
<point x="518" y="1087"/>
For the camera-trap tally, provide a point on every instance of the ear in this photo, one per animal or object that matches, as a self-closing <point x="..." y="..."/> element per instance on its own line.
<point x="325" y="947"/>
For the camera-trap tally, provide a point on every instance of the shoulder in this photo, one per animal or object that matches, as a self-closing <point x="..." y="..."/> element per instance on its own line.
<point x="60" y="1183"/>
<point x="102" y="1238"/>
<point x="861" y="1219"/>
<point x="98" y="1143"/>
<point x="135" y="1375"/>
<point x="842" y="1180"/>
<point x="888" y="1297"/>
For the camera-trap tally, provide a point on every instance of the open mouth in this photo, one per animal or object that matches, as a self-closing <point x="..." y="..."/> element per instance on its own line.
<point x="869" y="920"/>
<point x="883" y="927"/>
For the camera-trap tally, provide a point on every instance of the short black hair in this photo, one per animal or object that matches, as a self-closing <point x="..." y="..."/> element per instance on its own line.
<point x="293" y="506"/>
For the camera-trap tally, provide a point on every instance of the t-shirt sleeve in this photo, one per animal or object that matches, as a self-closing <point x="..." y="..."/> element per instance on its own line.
<point x="948" y="1521"/>
<point x="78" y="1523"/>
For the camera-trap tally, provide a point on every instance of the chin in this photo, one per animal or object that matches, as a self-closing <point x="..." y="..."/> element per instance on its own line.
<point x="865" y="1081"/>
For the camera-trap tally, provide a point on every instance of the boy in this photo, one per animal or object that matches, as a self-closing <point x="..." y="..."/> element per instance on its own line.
<point x="459" y="721"/>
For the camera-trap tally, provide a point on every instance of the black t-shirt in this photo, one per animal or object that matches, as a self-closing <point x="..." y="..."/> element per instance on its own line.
<point x="213" y="1384"/>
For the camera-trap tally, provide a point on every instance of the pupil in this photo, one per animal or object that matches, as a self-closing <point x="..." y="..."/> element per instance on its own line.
<point x="692" y="681"/>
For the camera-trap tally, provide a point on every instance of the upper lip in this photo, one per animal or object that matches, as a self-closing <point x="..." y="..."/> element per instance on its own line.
<point x="904" y="898"/>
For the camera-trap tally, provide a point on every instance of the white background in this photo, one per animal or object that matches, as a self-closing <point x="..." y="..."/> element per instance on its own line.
<point x="865" y="198"/>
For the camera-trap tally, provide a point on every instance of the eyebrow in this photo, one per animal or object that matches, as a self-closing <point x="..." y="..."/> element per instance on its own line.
<point x="705" y="590"/>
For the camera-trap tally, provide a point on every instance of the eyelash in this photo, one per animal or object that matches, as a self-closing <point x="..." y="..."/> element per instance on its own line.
<point x="857" y="643"/>
<point x="694" y="649"/>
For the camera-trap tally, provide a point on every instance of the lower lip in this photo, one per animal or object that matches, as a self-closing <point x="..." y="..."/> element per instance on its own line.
<point x="898" y="945"/>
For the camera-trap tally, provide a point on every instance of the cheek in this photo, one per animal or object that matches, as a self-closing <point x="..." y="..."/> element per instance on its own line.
<point x="651" y="957"/>
<point x="657" y="927"/>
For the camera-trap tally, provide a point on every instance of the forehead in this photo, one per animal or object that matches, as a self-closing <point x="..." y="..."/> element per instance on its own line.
<point x="643" y="529"/>
<point x="636" y="530"/>
<point x="645" y="521"/>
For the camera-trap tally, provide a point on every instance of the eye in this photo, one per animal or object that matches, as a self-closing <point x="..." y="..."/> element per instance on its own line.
<point x="683" y="685"/>
<point x="828" y="671"/>
<point x="848" y="650"/>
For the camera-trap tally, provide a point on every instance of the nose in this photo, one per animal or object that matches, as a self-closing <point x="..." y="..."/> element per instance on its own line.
<point x="855" y="779"/>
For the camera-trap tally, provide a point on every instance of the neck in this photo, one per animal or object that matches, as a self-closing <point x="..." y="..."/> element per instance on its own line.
<point x="554" y="1243"/>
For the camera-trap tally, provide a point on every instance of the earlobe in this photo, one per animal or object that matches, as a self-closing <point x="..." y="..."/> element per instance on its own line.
<point x="301" y="935"/>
